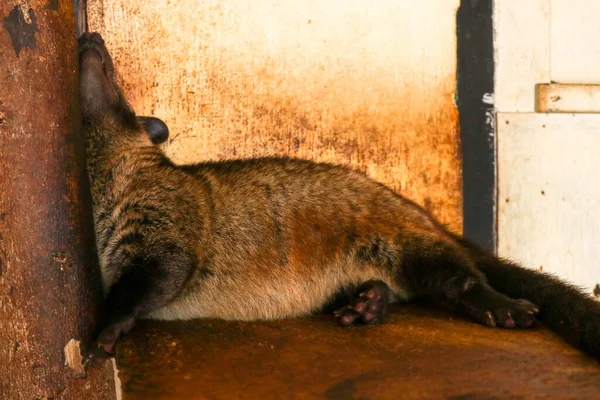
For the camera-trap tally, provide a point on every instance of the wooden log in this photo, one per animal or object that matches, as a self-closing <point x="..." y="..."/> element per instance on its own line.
<point x="49" y="278"/>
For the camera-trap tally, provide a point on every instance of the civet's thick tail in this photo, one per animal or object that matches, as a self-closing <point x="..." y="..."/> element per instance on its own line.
<point x="564" y="308"/>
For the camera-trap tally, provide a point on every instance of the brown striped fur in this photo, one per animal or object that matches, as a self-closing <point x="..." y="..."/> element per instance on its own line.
<point x="274" y="237"/>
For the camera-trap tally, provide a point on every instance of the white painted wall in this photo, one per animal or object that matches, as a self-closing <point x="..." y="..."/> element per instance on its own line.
<point x="549" y="207"/>
<point x="521" y="52"/>
<point x="548" y="163"/>
<point x="575" y="41"/>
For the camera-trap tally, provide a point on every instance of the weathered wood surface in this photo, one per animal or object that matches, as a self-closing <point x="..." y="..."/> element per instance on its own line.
<point x="361" y="83"/>
<point x="49" y="278"/>
<point x="567" y="98"/>
<point x="417" y="353"/>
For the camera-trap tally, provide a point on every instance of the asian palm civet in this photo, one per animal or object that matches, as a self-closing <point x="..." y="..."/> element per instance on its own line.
<point x="275" y="238"/>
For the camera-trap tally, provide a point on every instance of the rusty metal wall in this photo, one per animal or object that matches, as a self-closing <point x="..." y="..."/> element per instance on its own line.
<point x="49" y="279"/>
<point x="365" y="83"/>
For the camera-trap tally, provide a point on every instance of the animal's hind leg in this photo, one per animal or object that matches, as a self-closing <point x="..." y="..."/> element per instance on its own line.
<point x="146" y="284"/>
<point x="439" y="268"/>
<point x="367" y="306"/>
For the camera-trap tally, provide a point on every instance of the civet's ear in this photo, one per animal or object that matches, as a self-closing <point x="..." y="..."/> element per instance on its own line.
<point x="157" y="130"/>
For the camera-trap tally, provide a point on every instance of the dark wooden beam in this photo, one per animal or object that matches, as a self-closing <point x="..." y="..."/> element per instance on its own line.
<point x="49" y="277"/>
<point x="475" y="104"/>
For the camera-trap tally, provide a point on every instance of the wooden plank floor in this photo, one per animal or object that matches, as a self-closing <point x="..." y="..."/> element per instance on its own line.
<point x="418" y="353"/>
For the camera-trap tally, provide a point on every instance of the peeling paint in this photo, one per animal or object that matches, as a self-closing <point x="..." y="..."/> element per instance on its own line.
<point x="488" y="98"/>
<point x="62" y="259"/>
<point x="73" y="357"/>
<point x="117" y="379"/>
<point x="21" y="28"/>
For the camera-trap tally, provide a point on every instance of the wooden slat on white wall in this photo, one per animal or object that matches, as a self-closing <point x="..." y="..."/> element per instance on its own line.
<point x="549" y="197"/>
<point x="575" y="41"/>
<point x="569" y="98"/>
<point x="522" y="52"/>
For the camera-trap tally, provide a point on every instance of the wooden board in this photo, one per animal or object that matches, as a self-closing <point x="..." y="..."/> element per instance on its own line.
<point x="417" y="353"/>
<point x="522" y="52"/>
<point x="361" y="83"/>
<point x="548" y="200"/>
<point x="567" y="98"/>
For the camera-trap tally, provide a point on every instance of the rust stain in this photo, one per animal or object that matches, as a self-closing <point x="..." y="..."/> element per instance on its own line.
<point x="262" y="81"/>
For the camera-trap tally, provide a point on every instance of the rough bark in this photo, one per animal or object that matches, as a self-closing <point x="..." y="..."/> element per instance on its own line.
<point x="49" y="279"/>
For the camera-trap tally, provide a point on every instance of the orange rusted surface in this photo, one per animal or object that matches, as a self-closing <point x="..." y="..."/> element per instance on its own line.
<point x="49" y="277"/>
<point x="360" y="83"/>
<point x="418" y="353"/>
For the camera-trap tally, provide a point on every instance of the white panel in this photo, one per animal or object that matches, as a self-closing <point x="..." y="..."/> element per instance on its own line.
<point x="575" y="39"/>
<point x="522" y="52"/>
<point x="549" y="197"/>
